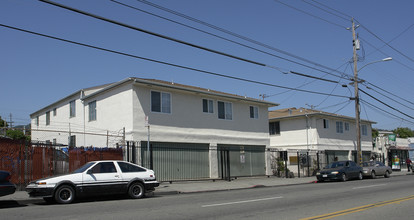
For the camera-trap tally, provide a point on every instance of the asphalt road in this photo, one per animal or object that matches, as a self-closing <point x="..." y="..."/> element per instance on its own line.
<point x="380" y="198"/>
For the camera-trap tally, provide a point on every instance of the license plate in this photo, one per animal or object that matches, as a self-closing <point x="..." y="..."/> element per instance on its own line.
<point x="325" y="175"/>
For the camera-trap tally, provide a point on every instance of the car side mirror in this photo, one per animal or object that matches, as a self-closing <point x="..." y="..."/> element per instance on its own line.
<point x="89" y="172"/>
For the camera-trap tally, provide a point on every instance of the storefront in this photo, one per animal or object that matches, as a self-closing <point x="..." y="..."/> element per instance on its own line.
<point x="397" y="156"/>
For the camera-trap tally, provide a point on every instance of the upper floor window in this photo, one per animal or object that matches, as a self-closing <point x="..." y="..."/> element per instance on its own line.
<point x="54" y="111"/>
<point x="254" y="112"/>
<point x="325" y="123"/>
<point x="72" y="109"/>
<point x="364" y="130"/>
<point x="92" y="110"/>
<point x="225" y="110"/>
<point x="346" y="126"/>
<point x="48" y="118"/>
<point x="274" y="128"/>
<point x="160" y="102"/>
<point x="339" y="127"/>
<point x="37" y="120"/>
<point x="208" y="106"/>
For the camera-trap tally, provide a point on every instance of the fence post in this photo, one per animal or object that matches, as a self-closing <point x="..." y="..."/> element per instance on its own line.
<point x="297" y="155"/>
<point x="307" y="161"/>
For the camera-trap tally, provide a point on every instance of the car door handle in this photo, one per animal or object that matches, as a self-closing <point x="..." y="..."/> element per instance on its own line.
<point x="116" y="175"/>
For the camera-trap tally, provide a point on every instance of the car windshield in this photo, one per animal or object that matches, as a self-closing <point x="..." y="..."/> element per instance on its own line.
<point x="335" y="165"/>
<point x="367" y="164"/>
<point x="84" y="167"/>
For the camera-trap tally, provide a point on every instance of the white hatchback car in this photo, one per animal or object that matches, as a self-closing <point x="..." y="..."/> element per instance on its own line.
<point x="95" y="179"/>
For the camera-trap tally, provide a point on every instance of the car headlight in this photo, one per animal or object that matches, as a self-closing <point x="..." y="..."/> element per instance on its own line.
<point x="318" y="173"/>
<point x="365" y="171"/>
<point x="334" y="172"/>
<point x="41" y="183"/>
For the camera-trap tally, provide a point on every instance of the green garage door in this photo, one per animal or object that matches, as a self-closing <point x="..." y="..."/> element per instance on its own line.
<point x="178" y="161"/>
<point x="242" y="160"/>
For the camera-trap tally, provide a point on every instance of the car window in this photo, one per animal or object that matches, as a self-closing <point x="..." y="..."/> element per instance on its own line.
<point x="104" y="167"/>
<point x="127" y="167"/>
<point x="84" y="167"/>
<point x="335" y="165"/>
<point x="353" y="164"/>
<point x="380" y="163"/>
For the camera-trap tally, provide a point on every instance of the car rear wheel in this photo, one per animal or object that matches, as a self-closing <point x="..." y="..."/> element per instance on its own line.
<point x="136" y="190"/>
<point x="64" y="194"/>
<point x="387" y="174"/>
<point x="343" y="177"/>
<point x="373" y="175"/>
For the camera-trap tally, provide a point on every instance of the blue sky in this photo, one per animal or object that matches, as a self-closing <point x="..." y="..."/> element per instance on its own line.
<point x="36" y="71"/>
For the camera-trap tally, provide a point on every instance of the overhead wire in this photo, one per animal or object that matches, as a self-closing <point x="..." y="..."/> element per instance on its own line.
<point x="159" y="35"/>
<point x="327" y="11"/>
<point x="232" y="41"/>
<point x="390" y="98"/>
<point x="166" y="63"/>
<point x="236" y="35"/>
<point x="386" y="112"/>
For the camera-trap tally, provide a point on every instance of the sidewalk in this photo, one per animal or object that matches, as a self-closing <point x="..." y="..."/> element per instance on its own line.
<point x="182" y="187"/>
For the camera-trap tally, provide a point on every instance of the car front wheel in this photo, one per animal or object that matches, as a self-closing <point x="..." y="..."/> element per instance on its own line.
<point x="387" y="174"/>
<point x="65" y="194"/>
<point x="343" y="177"/>
<point x="136" y="190"/>
<point x="360" y="177"/>
<point x="373" y="175"/>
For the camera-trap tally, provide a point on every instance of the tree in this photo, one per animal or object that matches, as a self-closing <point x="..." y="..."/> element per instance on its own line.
<point x="375" y="133"/>
<point x="17" y="135"/>
<point x="403" y="132"/>
<point x="3" y="123"/>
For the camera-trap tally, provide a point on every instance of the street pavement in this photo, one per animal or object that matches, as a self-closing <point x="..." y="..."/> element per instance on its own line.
<point x="183" y="187"/>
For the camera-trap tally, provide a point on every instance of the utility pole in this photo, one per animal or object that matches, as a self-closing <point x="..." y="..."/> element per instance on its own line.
<point x="357" y="115"/>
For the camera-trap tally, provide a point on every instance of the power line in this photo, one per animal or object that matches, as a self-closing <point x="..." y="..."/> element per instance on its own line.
<point x="329" y="12"/>
<point x="393" y="99"/>
<point x="385" y="104"/>
<point x="170" y="64"/>
<point x="337" y="11"/>
<point x="387" y="112"/>
<point x="237" y="36"/>
<point x="397" y="96"/>
<point x="312" y="15"/>
<point x="232" y="41"/>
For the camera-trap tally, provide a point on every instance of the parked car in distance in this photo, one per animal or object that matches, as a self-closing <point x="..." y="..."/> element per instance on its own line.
<point x="376" y="168"/>
<point x="6" y="187"/>
<point x="340" y="170"/>
<point x="97" y="178"/>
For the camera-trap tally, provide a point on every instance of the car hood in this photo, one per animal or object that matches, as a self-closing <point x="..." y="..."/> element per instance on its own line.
<point x="55" y="179"/>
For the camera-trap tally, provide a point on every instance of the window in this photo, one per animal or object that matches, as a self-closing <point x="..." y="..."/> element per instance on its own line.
<point x="274" y="128"/>
<point x="54" y="111"/>
<point x="72" y="141"/>
<point x="160" y="102"/>
<point x="254" y="112"/>
<point x="339" y="127"/>
<point x="72" y="109"/>
<point x="92" y="110"/>
<point x="37" y="120"/>
<point x="225" y="110"/>
<point x="364" y="130"/>
<point x="346" y="126"/>
<point x="208" y="106"/>
<point x="48" y="118"/>
<point x="128" y="168"/>
<point x="325" y="123"/>
<point x="104" y="167"/>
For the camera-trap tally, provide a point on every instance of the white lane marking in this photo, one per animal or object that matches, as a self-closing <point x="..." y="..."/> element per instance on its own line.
<point x="238" y="202"/>
<point x="362" y="187"/>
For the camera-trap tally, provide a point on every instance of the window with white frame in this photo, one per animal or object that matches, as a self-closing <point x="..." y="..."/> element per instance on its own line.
<point x="346" y="126"/>
<point x="92" y="110"/>
<point x="72" y="109"/>
<point x="37" y="120"/>
<point x="160" y="102"/>
<point x="325" y="123"/>
<point x="274" y="128"/>
<point x="339" y="127"/>
<point x="225" y="110"/>
<point x="48" y="118"/>
<point x="254" y="112"/>
<point x="364" y="130"/>
<point x="208" y="106"/>
<point x="54" y="111"/>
